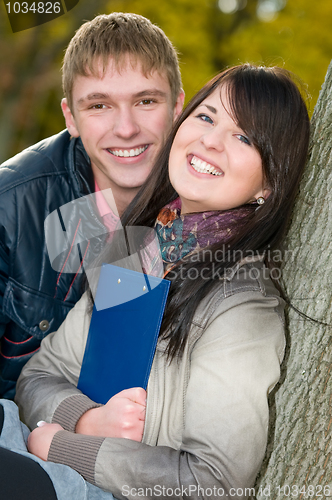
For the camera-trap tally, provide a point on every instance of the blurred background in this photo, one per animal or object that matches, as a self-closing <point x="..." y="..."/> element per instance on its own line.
<point x="209" y="35"/>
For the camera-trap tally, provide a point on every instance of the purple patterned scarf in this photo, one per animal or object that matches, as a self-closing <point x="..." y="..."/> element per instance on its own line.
<point x="180" y="235"/>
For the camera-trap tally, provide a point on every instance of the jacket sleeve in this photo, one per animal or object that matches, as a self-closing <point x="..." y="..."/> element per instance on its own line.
<point x="51" y="376"/>
<point x="3" y="283"/>
<point x="7" y="219"/>
<point x="226" y="418"/>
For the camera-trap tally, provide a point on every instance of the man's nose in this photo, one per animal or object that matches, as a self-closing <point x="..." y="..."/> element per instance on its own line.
<point x="125" y="124"/>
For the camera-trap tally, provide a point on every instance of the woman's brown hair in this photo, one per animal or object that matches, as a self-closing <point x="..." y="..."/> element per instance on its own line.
<point x="268" y="106"/>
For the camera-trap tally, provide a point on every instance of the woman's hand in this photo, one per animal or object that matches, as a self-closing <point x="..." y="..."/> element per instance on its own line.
<point x="122" y="416"/>
<point x="40" y="439"/>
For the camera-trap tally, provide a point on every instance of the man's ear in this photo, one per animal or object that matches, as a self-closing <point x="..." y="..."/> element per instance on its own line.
<point x="178" y="105"/>
<point x="69" y="118"/>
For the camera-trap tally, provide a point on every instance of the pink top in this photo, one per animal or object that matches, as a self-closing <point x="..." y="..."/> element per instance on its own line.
<point x="150" y="254"/>
<point x="110" y="219"/>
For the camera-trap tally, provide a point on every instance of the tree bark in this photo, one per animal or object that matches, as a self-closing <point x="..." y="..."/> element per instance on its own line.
<point x="299" y="448"/>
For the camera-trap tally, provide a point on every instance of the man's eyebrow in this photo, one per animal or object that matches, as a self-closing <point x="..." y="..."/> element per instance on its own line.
<point x="144" y="93"/>
<point x="93" y="97"/>
<point x="150" y="92"/>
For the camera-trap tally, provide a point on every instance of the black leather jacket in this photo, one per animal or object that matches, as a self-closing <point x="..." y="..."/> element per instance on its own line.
<point x="35" y="298"/>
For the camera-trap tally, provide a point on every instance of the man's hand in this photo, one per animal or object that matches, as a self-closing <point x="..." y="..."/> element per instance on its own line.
<point x="40" y="439"/>
<point x="122" y="416"/>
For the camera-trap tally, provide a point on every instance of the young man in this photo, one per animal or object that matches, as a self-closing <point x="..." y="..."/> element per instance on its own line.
<point x="122" y="89"/>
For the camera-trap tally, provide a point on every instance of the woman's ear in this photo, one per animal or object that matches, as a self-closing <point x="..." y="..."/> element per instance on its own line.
<point x="266" y="193"/>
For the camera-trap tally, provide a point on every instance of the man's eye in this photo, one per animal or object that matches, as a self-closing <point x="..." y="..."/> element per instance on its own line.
<point x="147" y="101"/>
<point x="98" y="106"/>
<point x="205" y="118"/>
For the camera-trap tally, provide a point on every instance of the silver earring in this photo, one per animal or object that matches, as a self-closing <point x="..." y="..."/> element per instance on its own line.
<point x="260" y="200"/>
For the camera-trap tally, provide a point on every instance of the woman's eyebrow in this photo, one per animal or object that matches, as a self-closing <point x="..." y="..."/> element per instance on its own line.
<point x="211" y="108"/>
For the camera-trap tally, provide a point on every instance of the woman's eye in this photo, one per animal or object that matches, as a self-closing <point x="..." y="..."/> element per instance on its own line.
<point x="205" y="118"/>
<point x="244" y="139"/>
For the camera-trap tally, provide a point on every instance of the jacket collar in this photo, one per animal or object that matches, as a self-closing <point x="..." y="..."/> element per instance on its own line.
<point x="79" y="166"/>
<point x="231" y="272"/>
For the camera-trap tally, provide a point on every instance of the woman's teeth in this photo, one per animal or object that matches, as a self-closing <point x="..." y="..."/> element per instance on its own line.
<point x="128" y="152"/>
<point x="203" y="167"/>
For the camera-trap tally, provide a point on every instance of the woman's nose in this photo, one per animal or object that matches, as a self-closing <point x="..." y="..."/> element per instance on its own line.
<point x="213" y="139"/>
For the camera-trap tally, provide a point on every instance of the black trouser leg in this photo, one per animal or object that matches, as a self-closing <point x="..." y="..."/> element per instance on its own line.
<point x="2" y="416"/>
<point x="22" y="478"/>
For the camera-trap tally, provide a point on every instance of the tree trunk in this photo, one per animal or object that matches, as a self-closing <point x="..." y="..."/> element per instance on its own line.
<point x="298" y="462"/>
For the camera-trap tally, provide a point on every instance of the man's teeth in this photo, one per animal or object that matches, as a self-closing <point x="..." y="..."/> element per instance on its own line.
<point x="203" y="167"/>
<point x="128" y="152"/>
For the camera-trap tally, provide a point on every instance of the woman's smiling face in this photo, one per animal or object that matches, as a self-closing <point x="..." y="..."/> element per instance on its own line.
<point x="212" y="164"/>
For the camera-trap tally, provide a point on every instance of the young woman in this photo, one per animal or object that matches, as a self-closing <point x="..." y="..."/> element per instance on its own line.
<point x="220" y="198"/>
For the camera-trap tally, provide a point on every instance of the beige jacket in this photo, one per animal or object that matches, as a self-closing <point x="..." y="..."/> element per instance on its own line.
<point x="207" y="415"/>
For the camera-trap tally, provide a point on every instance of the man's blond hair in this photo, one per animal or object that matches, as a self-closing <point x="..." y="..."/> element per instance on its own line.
<point x="118" y="35"/>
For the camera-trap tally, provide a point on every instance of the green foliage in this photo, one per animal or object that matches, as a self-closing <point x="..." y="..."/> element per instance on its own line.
<point x="31" y="86"/>
<point x="298" y="39"/>
<point x="186" y="23"/>
<point x="207" y="40"/>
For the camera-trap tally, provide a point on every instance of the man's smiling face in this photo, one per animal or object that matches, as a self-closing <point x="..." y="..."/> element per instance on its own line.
<point x="123" y="118"/>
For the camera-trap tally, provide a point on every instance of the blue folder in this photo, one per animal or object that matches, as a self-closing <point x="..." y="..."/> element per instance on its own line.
<point x="123" y="332"/>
